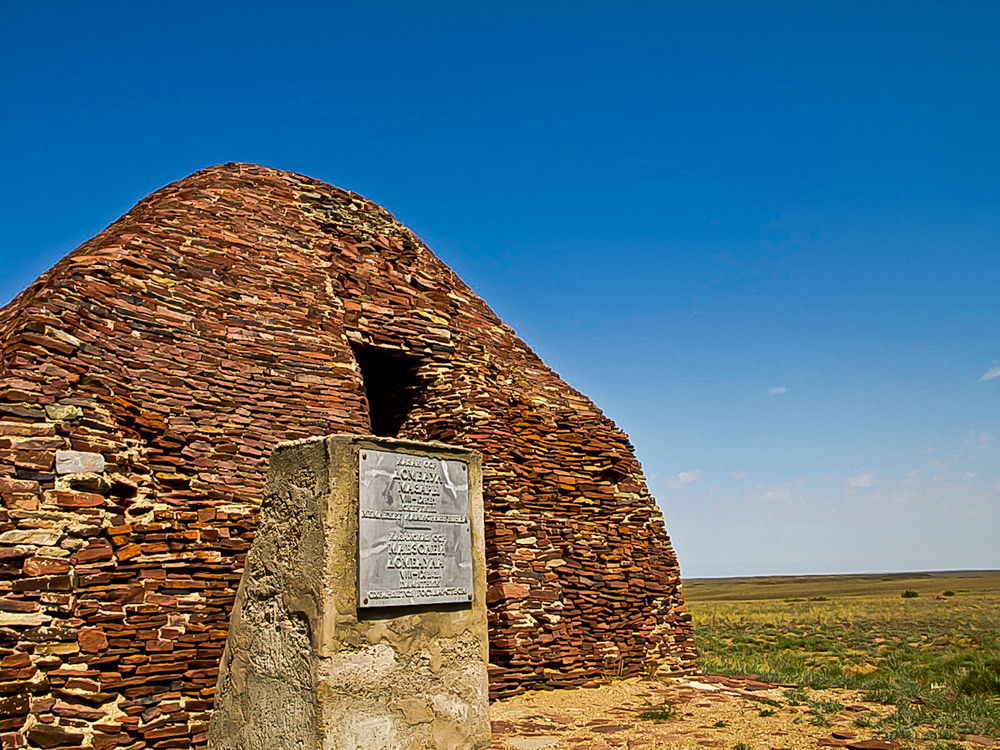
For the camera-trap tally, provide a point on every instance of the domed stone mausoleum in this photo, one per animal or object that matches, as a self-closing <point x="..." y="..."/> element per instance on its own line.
<point x="144" y="381"/>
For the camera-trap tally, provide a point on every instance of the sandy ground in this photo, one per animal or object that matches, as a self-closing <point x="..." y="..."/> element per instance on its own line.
<point x="709" y="711"/>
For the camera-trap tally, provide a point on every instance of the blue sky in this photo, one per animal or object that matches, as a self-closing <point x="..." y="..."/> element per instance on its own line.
<point x="763" y="237"/>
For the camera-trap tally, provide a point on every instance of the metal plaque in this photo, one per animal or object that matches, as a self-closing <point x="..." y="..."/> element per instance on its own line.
<point x="414" y="535"/>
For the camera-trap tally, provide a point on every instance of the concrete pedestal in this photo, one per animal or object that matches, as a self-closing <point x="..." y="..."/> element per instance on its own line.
<point x="305" y="667"/>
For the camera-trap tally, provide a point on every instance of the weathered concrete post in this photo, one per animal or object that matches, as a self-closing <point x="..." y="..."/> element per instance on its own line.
<point x="377" y="645"/>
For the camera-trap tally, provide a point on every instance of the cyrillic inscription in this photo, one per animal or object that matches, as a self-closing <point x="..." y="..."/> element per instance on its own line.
<point x="414" y="536"/>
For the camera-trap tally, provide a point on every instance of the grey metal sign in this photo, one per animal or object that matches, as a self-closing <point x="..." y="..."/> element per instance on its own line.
<point x="414" y="535"/>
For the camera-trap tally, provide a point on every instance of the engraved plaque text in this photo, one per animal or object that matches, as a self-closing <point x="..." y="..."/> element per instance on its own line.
<point x="414" y="535"/>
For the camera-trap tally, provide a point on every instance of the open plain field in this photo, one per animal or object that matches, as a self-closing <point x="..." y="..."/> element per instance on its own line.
<point x="858" y="665"/>
<point x="925" y="644"/>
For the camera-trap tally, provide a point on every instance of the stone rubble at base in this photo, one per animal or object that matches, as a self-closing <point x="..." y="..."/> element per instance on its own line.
<point x="708" y="711"/>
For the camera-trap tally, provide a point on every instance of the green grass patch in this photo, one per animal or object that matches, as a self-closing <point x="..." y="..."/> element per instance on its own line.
<point x="982" y="680"/>
<point x="659" y="714"/>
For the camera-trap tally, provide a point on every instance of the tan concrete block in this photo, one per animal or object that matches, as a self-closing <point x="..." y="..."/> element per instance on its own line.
<point x="304" y="666"/>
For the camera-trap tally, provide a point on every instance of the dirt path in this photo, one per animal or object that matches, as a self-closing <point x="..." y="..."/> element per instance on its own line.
<point x="708" y="711"/>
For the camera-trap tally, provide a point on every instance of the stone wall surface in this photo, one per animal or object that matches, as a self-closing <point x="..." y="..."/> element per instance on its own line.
<point x="144" y="381"/>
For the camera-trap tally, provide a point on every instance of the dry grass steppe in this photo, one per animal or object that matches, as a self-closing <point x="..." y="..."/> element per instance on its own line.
<point x="926" y="644"/>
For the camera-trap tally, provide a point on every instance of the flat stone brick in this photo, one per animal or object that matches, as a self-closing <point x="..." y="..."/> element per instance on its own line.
<point x="78" y="462"/>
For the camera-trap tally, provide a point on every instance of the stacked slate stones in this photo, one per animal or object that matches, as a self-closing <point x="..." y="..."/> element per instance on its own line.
<point x="144" y="381"/>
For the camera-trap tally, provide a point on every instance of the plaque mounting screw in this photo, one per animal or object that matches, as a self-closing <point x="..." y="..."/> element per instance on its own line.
<point x="366" y="600"/>
<point x="364" y="457"/>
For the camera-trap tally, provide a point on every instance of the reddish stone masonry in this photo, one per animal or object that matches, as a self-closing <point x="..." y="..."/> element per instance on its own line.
<point x="144" y="381"/>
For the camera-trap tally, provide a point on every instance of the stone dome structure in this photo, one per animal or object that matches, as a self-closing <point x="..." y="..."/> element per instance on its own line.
<point x="144" y="381"/>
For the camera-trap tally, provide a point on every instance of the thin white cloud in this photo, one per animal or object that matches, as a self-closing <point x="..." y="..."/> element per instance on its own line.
<point x="679" y="481"/>
<point x="772" y="492"/>
<point x="739" y="476"/>
<point x="979" y="441"/>
<point x="991" y="374"/>
<point x="861" y="479"/>
<point x="778" y="390"/>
